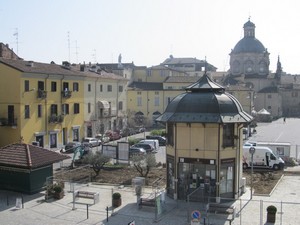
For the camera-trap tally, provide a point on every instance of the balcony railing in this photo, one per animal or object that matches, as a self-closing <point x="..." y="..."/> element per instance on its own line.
<point x="56" y="119"/>
<point x="8" y="122"/>
<point x="42" y="94"/>
<point x="66" y="94"/>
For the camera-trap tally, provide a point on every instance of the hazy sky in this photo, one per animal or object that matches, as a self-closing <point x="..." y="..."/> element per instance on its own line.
<point x="148" y="31"/>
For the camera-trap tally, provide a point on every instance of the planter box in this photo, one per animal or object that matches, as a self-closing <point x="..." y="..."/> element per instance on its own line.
<point x="116" y="202"/>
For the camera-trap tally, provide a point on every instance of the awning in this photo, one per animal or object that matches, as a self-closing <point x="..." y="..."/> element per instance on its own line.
<point x="103" y="104"/>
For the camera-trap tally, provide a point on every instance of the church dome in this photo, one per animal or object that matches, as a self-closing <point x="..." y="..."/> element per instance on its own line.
<point x="249" y="45"/>
<point x="205" y="101"/>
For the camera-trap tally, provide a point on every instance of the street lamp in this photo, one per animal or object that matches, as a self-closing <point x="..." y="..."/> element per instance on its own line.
<point x="251" y="151"/>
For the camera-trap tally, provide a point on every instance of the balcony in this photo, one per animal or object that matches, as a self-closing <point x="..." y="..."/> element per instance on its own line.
<point x="66" y="94"/>
<point x="8" y="122"/>
<point x="42" y="94"/>
<point x="56" y="119"/>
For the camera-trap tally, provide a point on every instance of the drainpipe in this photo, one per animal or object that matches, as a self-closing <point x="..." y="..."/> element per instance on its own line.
<point x="61" y="100"/>
<point x="46" y="111"/>
<point x="238" y="156"/>
<point x="218" y="161"/>
<point x="175" y="164"/>
<point x="95" y="106"/>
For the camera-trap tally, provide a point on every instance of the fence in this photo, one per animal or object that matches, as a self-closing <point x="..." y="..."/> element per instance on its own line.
<point x="246" y="211"/>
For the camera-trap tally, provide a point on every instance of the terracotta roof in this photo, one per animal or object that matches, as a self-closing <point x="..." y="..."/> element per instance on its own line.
<point x="27" y="156"/>
<point x="146" y="86"/>
<point x="37" y="67"/>
<point x="182" y="79"/>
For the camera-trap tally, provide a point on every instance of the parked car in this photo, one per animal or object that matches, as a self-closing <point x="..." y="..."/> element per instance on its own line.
<point x="113" y="135"/>
<point x="153" y="142"/>
<point x="91" y="142"/>
<point x="161" y="140"/>
<point x="103" y="139"/>
<point x="70" y="147"/>
<point x="136" y="151"/>
<point x="127" y="132"/>
<point x="148" y="147"/>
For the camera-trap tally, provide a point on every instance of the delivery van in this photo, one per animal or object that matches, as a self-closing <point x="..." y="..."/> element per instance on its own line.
<point x="263" y="157"/>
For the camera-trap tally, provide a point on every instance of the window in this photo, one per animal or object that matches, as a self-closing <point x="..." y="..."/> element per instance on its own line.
<point x="89" y="107"/>
<point x="120" y="88"/>
<point x="75" y="134"/>
<point x="269" y="96"/>
<point x="76" y="108"/>
<point x="89" y="87"/>
<point x="53" y="86"/>
<point x="156" y="101"/>
<point x="109" y="88"/>
<point x="53" y="110"/>
<point x="156" y="93"/>
<point x="139" y="92"/>
<point x="139" y="101"/>
<point x="27" y="112"/>
<point x="75" y="86"/>
<point x="39" y="111"/>
<point x="101" y="87"/>
<point x="65" y="109"/>
<point x="26" y="85"/>
<point x="228" y="135"/>
<point x="149" y="73"/>
<point x="53" y="140"/>
<point x="65" y="86"/>
<point x="120" y="105"/>
<point x="170" y="131"/>
<point x="269" y="107"/>
<point x="41" y="85"/>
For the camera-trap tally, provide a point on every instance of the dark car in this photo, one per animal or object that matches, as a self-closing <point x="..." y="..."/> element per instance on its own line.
<point x="161" y="140"/>
<point x="148" y="147"/>
<point x="70" y="147"/>
<point x="136" y="151"/>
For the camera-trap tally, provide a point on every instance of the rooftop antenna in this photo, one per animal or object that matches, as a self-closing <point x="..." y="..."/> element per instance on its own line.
<point x="76" y="51"/>
<point x="94" y="55"/>
<point x="17" y="39"/>
<point x="69" y="46"/>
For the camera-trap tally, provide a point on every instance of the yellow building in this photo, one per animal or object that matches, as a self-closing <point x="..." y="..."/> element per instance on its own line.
<point x="105" y="102"/>
<point x="204" y="136"/>
<point x="40" y="103"/>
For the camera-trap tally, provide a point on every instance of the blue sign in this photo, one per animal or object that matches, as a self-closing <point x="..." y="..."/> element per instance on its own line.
<point x="196" y="215"/>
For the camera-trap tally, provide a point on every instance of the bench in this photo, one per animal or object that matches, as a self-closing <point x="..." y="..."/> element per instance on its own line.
<point x="147" y="202"/>
<point x="88" y="195"/>
<point x="218" y="208"/>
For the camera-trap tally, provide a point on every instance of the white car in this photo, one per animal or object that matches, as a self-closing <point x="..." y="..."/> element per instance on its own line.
<point x="91" y="142"/>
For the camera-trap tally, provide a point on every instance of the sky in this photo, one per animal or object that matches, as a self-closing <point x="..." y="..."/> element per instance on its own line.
<point x="147" y="32"/>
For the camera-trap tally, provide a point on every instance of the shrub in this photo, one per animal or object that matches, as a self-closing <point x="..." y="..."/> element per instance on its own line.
<point x="271" y="209"/>
<point x="57" y="188"/>
<point x="116" y="195"/>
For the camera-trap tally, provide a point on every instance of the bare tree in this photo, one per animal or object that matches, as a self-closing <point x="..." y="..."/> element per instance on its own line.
<point x="97" y="160"/>
<point x="144" y="163"/>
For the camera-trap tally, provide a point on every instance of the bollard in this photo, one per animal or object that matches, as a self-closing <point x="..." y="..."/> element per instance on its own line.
<point x="106" y="213"/>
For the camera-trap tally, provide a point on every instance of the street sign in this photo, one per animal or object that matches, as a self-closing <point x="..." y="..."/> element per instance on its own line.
<point x="196" y="215"/>
<point x="251" y="150"/>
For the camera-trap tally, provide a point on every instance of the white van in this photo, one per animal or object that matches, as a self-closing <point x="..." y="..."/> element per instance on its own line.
<point x="263" y="157"/>
<point x="153" y="142"/>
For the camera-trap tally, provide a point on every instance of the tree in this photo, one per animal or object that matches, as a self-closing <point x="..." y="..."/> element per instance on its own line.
<point x="144" y="163"/>
<point x="97" y="160"/>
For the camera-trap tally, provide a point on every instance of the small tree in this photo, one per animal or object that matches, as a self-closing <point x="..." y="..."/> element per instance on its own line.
<point x="144" y="163"/>
<point x="97" y="160"/>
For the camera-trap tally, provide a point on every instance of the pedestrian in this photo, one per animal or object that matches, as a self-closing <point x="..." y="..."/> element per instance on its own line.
<point x="283" y="119"/>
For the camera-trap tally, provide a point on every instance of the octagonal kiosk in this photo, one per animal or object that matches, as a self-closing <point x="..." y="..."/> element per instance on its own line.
<point x="204" y="142"/>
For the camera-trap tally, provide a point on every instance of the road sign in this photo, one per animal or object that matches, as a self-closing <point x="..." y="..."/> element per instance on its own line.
<point x="251" y="150"/>
<point x="196" y="215"/>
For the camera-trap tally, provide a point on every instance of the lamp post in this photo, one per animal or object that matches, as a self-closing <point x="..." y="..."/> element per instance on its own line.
<point x="251" y="151"/>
